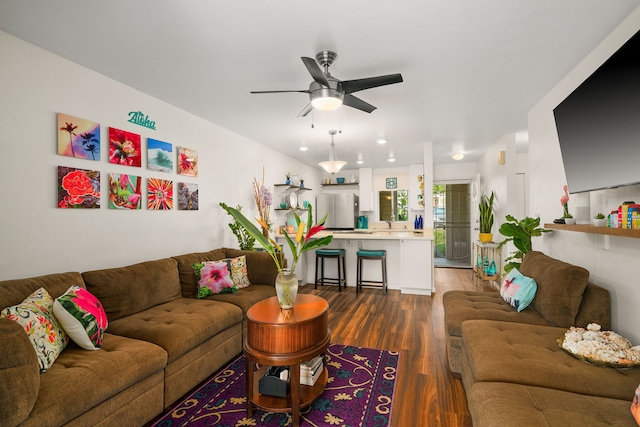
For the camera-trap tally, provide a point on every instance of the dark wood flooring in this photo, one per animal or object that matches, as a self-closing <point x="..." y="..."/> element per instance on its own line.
<point x="426" y="393"/>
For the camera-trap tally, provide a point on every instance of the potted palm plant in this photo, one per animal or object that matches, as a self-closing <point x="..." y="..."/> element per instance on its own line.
<point x="486" y="217"/>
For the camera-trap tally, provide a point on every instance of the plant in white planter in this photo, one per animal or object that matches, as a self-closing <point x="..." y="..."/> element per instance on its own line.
<point x="569" y="219"/>
<point x="599" y="220"/>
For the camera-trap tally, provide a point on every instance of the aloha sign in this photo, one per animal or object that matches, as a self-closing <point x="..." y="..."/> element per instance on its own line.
<point x="139" y="118"/>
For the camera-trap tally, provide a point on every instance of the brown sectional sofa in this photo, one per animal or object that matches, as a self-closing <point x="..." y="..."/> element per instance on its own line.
<point x="512" y="369"/>
<point x="160" y="343"/>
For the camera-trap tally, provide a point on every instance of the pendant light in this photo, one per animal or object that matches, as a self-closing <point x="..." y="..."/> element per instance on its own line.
<point x="333" y="165"/>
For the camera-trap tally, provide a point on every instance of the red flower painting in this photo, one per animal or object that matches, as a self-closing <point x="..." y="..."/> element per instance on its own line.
<point x="124" y="148"/>
<point x="78" y="188"/>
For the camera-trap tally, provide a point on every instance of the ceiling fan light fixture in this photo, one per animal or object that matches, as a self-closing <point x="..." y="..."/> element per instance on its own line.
<point x="326" y="99"/>
<point x="333" y="165"/>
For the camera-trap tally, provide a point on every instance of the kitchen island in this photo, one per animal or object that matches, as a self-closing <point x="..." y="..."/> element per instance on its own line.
<point x="409" y="258"/>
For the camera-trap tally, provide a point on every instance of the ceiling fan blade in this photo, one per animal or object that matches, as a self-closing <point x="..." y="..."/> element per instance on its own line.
<point x="279" y="91"/>
<point x="315" y="70"/>
<point x="305" y="110"/>
<point x="358" y="103"/>
<point x="351" y="86"/>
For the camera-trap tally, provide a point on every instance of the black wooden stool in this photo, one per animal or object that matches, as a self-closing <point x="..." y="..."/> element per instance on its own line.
<point x="365" y="254"/>
<point x="338" y="254"/>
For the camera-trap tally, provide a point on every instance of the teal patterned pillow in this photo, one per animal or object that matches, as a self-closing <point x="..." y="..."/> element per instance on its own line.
<point x="213" y="278"/>
<point x="518" y="290"/>
<point x="35" y="315"/>
<point x="82" y="317"/>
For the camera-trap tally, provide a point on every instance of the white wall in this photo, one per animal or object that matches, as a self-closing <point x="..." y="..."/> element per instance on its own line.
<point x="615" y="269"/>
<point x="38" y="238"/>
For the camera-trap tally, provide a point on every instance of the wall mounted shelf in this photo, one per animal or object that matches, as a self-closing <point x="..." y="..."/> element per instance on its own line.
<point x="339" y="185"/>
<point x="620" y="232"/>
<point x="292" y="187"/>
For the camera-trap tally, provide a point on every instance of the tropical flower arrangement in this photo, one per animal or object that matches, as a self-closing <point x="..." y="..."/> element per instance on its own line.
<point x="300" y="243"/>
<point x="264" y="199"/>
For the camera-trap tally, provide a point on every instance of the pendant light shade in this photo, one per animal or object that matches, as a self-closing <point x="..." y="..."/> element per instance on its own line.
<point x="333" y="165"/>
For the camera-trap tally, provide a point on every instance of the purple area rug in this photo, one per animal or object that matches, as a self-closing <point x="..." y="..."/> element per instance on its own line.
<point x="359" y="392"/>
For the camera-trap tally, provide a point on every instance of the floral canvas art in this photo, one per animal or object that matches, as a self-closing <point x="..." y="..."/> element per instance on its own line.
<point x="187" y="161"/>
<point x="78" y="137"/>
<point x="124" y="148"/>
<point x="159" y="194"/>
<point x="159" y="155"/>
<point x="78" y="188"/>
<point x="187" y="196"/>
<point x="124" y="191"/>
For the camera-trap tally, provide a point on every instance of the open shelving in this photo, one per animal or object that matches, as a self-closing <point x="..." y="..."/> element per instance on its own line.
<point x="586" y="228"/>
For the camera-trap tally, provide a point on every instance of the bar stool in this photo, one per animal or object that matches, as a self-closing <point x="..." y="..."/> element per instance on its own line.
<point x="365" y="254"/>
<point x="339" y="255"/>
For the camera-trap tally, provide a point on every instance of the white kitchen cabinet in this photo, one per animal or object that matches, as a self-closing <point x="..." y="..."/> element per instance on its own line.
<point x="416" y="267"/>
<point x="366" y="189"/>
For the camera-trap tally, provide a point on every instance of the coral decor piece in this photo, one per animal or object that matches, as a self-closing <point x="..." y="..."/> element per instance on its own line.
<point x="159" y="155"/>
<point x="187" y="161"/>
<point x="605" y="348"/>
<point x="78" y="188"/>
<point x="124" y="148"/>
<point x="78" y="137"/>
<point x="159" y="194"/>
<point x="124" y="191"/>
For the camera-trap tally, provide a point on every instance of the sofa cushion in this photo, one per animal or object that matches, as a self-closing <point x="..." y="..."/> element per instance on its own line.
<point x="635" y="406"/>
<point x="246" y="297"/>
<point x="508" y="405"/>
<point x="260" y="266"/>
<point x="178" y="326"/>
<point x="528" y="354"/>
<point x="238" y="268"/>
<point x="81" y="379"/>
<point x="19" y="374"/>
<point x="214" y="277"/>
<point x="517" y="290"/>
<point x="82" y="317"/>
<point x="188" y="279"/>
<point x="35" y="315"/>
<point x="13" y="292"/>
<point x="128" y="290"/>
<point x="560" y="287"/>
<point x="472" y="305"/>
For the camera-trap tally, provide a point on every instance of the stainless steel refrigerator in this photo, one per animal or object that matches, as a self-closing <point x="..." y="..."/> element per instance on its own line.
<point x="342" y="210"/>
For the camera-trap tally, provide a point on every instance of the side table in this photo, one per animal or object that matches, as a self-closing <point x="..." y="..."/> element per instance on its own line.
<point x="278" y="337"/>
<point x="487" y="264"/>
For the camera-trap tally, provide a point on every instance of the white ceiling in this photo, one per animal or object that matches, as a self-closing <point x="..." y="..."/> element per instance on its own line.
<point x="472" y="69"/>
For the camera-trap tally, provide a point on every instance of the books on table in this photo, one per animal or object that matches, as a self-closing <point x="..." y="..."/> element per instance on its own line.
<point x="310" y="371"/>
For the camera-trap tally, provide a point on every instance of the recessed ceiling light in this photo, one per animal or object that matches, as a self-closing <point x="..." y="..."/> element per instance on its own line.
<point x="381" y="141"/>
<point x="303" y="148"/>
<point x="392" y="159"/>
<point x="457" y="156"/>
<point x="360" y="162"/>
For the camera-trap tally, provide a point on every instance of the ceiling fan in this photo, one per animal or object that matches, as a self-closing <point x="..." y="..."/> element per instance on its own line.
<point x="328" y="93"/>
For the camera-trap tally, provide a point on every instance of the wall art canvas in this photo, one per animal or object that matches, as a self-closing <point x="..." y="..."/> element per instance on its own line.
<point x="78" y="188"/>
<point x="187" y="196"/>
<point x="124" y="148"/>
<point x="124" y="191"/>
<point x="78" y="137"/>
<point x="187" y="161"/>
<point x="159" y="155"/>
<point x="159" y="194"/>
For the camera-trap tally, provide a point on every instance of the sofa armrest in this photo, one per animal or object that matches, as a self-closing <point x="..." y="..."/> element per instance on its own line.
<point x="595" y="307"/>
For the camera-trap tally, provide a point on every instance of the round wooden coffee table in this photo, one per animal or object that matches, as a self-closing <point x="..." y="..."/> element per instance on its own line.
<point x="278" y="337"/>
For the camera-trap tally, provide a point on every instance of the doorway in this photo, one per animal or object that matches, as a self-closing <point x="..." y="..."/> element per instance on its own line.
<point x="452" y="225"/>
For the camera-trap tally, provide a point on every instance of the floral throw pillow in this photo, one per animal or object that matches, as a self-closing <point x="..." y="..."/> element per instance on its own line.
<point x="82" y="317"/>
<point x="35" y="315"/>
<point x="635" y="406"/>
<point x="518" y="290"/>
<point x="238" y="268"/>
<point x="213" y="278"/>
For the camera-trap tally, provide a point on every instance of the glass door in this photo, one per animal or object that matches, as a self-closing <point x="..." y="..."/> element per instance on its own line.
<point x="452" y="225"/>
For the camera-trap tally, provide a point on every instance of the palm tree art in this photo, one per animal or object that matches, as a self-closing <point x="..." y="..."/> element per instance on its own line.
<point x="89" y="143"/>
<point x="70" y="128"/>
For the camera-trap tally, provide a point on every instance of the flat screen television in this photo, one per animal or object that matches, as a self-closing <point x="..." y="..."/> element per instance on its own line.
<point x="598" y="124"/>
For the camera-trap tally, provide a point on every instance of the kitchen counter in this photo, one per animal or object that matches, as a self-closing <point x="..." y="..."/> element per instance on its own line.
<point x="375" y="234"/>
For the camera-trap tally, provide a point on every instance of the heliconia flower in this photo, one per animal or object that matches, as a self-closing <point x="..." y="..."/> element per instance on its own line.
<point x="124" y="181"/>
<point x="134" y="199"/>
<point x="314" y="230"/>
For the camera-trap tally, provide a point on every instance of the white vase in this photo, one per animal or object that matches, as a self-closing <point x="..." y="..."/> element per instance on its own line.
<point x="295" y="180"/>
<point x="286" y="288"/>
<point x="600" y="222"/>
<point x="570" y="221"/>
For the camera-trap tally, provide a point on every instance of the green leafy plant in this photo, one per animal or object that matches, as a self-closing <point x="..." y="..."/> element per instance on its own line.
<point x="520" y="233"/>
<point x="567" y="215"/>
<point x="600" y="216"/>
<point x="245" y="240"/>
<point x="486" y="213"/>
<point x="300" y="243"/>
